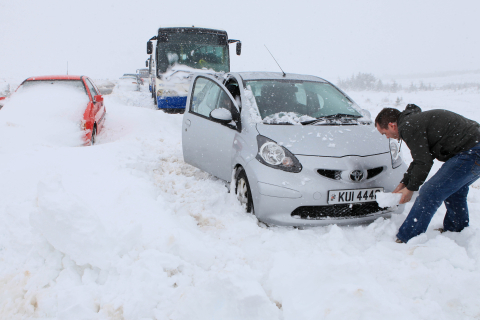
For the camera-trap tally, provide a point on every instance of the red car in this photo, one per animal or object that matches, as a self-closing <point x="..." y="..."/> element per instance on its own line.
<point x="94" y="115"/>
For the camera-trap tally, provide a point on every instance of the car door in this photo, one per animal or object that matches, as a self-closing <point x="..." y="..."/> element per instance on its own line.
<point x="98" y="108"/>
<point x="207" y="144"/>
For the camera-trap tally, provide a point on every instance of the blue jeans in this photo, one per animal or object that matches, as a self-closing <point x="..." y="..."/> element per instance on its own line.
<point x="450" y="185"/>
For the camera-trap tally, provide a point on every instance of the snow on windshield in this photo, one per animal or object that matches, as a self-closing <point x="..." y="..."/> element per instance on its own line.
<point x="287" y="118"/>
<point x="43" y="115"/>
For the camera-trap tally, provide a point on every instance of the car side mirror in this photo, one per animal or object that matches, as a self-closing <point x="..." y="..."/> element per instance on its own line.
<point x="149" y="47"/>
<point x="239" y="48"/>
<point x="221" y="115"/>
<point x="98" y="98"/>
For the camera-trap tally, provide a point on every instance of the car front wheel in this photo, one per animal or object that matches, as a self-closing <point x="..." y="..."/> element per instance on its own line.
<point x="242" y="190"/>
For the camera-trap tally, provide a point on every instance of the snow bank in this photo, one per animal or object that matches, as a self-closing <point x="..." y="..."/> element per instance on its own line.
<point x="71" y="227"/>
<point x="43" y="115"/>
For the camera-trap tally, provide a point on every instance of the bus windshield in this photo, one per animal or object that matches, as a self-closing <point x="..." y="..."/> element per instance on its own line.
<point x="194" y="55"/>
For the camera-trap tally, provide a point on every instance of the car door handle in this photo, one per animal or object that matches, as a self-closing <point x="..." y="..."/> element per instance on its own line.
<point x="187" y="123"/>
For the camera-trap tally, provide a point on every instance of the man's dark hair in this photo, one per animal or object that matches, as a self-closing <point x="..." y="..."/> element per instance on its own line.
<point x="386" y="116"/>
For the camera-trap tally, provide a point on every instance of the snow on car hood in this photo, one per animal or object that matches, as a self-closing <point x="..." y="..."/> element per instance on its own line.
<point x="327" y="140"/>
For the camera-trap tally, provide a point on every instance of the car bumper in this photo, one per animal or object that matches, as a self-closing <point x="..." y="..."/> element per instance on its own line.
<point x="300" y="199"/>
<point x="171" y="102"/>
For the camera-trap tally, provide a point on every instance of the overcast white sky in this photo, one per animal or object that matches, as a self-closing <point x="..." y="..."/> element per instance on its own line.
<point x="331" y="39"/>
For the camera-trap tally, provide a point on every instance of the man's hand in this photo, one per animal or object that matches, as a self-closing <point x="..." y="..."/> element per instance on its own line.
<point x="399" y="187"/>
<point x="406" y="194"/>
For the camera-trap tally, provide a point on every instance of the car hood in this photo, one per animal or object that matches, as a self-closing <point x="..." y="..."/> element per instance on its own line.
<point x="322" y="140"/>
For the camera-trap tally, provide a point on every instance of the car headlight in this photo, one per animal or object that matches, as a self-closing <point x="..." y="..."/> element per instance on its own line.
<point x="275" y="156"/>
<point x="395" y="153"/>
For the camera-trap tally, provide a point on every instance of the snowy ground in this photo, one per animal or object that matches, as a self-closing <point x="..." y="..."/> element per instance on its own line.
<point x="126" y="230"/>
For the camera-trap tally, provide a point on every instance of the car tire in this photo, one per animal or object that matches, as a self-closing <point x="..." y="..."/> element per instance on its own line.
<point x="93" y="138"/>
<point x="243" y="191"/>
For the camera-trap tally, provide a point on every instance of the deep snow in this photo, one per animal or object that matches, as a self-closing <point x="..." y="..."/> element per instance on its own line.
<point x="126" y="230"/>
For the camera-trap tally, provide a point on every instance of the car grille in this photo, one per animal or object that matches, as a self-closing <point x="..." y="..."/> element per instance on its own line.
<point x="332" y="174"/>
<point x="337" y="210"/>
<point x="337" y="174"/>
<point x="374" y="172"/>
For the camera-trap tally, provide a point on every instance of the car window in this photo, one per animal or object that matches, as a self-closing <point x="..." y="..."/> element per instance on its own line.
<point x="206" y="95"/>
<point x="77" y="84"/>
<point x="224" y="101"/>
<point x="95" y="86"/>
<point x="91" y="88"/>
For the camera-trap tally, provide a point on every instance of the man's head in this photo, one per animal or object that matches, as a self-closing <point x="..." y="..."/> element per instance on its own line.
<point x="386" y="123"/>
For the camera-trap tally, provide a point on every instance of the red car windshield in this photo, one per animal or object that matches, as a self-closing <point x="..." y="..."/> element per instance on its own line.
<point x="77" y="84"/>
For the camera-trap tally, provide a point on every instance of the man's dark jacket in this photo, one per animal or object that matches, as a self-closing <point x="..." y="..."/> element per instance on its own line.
<point x="434" y="134"/>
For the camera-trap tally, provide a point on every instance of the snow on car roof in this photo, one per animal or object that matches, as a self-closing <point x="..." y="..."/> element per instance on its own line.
<point x="277" y="75"/>
<point x="58" y="77"/>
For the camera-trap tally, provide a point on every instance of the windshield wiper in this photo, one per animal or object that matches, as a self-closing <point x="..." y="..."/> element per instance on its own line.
<point x="341" y="115"/>
<point x="332" y="116"/>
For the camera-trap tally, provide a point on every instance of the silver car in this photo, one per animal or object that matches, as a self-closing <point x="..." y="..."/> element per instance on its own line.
<point x="299" y="151"/>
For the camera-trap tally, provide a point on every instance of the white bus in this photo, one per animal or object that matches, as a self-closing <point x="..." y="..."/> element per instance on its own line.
<point x="181" y="51"/>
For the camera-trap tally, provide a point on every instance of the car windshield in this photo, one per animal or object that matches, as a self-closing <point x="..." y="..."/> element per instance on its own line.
<point x="77" y="84"/>
<point x="307" y="100"/>
<point x="193" y="55"/>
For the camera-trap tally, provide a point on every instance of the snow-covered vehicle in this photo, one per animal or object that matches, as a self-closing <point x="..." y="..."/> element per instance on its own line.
<point x="129" y="82"/>
<point x="143" y="73"/>
<point x="299" y="151"/>
<point x="181" y="51"/>
<point x="89" y="111"/>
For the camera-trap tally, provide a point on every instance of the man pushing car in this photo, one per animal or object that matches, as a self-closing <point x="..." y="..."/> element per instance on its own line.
<point x="447" y="137"/>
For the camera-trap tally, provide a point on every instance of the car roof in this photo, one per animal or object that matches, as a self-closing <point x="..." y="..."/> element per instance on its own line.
<point x="276" y="75"/>
<point x="58" y="77"/>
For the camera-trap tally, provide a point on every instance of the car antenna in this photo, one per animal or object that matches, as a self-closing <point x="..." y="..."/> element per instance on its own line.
<point x="284" y="74"/>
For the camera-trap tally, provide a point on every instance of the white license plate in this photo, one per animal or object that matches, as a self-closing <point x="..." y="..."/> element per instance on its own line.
<point x="352" y="196"/>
